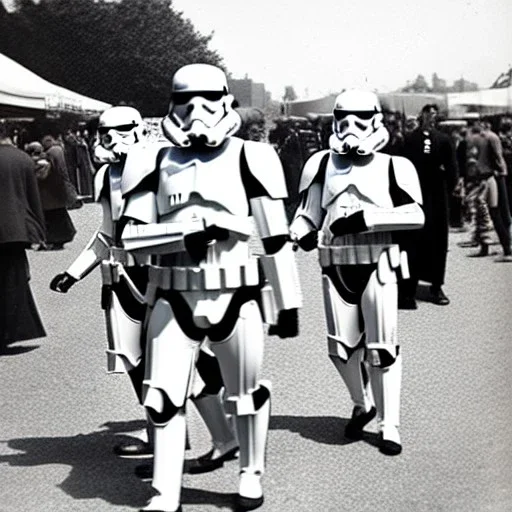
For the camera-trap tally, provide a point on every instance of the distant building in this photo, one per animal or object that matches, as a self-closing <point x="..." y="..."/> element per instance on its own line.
<point x="463" y="85"/>
<point x="438" y="84"/>
<point x="249" y="93"/>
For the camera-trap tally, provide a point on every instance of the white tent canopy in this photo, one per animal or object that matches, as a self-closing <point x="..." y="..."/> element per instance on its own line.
<point x="456" y="104"/>
<point x="406" y="103"/>
<point x="23" y="89"/>
<point x="485" y="101"/>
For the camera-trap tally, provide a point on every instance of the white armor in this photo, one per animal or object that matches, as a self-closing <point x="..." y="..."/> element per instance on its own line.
<point x="123" y="278"/>
<point x="354" y="198"/>
<point x="205" y="285"/>
<point x="123" y="301"/>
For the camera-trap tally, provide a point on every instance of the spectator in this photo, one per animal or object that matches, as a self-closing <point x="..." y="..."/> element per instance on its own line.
<point x="486" y="165"/>
<point x="481" y="191"/>
<point x="253" y="125"/>
<point x="500" y="172"/>
<point x="79" y="163"/>
<point x="411" y="124"/>
<point x="433" y="155"/>
<point x="57" y="194"/>
<point x="456" y="206"/>
<point x="292" y="155"/>
<point x="36" y="151"/>
<point x="21" y="224"/>
<point x="393" y="123"/>
<point x="505" y="135"/>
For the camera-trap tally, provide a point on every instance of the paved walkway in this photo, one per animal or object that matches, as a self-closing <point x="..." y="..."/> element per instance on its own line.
<point x="60" y="414"/>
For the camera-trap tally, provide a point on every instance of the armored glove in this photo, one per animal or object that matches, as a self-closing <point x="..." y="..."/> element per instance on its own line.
<point x="354" y="223"/>
<point x="287" y="324"/>
<point x="62" y="282"/>
<point x="307" y="243"/>
<point x="197" y="243"/>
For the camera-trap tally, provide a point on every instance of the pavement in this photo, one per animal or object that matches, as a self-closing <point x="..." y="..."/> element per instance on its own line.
<point x="61" y="414"/>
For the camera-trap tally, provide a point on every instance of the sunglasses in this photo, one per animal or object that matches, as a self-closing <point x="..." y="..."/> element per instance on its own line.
<point x="361" y="114"/>
<point x="102" y="130"/>
<point x="180" y="98"/>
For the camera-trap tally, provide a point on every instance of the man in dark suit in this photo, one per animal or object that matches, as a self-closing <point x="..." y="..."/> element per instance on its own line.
<point x="21" y="224"/>
<point x="433" y="155"/>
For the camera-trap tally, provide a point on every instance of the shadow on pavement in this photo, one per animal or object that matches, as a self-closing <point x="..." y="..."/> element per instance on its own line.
<point x="17" y="350"/>
<point x="321" y="429"/>
<point x="95" y="471"/>
<point x="201" y="497"/>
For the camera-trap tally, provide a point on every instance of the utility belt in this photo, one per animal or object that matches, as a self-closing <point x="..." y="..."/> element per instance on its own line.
<point x="111" y="274"/>
<point x="351" y="254"/>
<point x="206" y="277"/>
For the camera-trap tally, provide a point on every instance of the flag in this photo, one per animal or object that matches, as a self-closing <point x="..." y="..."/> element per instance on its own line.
<point x="504" y="80"/>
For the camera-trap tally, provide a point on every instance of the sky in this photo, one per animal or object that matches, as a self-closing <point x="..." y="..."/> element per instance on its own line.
<point x="322" y="46"/>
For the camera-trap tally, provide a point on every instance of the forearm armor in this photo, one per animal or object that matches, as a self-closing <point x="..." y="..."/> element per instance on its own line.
<point x="155" y="238"/>
<point x="407" y="216"/>
<point x="96" y="250"/>
<point x="279" y="266"/>
<point x="309" y="214"/>
<point x="280" y="270"/>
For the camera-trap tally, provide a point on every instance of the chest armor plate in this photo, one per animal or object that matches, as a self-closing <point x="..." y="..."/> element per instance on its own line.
<point x="357" y="187"/>
<point x="211" y="180"/>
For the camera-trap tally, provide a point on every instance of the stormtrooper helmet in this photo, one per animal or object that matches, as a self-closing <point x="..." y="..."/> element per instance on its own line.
<point x="119" y="128"/>
<point x="357" y="123"/>
<point x="201" y="109"/>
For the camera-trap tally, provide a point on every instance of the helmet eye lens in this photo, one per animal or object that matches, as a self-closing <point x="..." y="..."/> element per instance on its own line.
<point x="180" y="98"/>
<point x="121" y="128"/>
<point x="361" y="114"/>
<point x="125" y="127"/>
<point x="212" y="95"/>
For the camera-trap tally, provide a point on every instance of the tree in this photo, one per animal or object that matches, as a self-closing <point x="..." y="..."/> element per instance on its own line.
<point x="119" y="52"/>
<point x="289" y="93"/>
<point x="419" y="85"/>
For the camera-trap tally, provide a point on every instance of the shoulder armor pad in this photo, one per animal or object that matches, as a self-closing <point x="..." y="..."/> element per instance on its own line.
<point x="407" y="177"/>
<point x="265" y="165"/>
<point x="99" y="181"/>
<point x="140" y="162"/>
<point x="311" y="169"/>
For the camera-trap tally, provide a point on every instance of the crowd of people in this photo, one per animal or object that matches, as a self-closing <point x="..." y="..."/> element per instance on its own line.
<point x="464" y="174"/>
<point x="191" y="276"/>
<point x="58" y="172"/>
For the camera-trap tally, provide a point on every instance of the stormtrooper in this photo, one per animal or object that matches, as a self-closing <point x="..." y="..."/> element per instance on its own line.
<point x="125" y="278"/>
<point x="352" y="198"/>
<point x="189" y="209"/>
